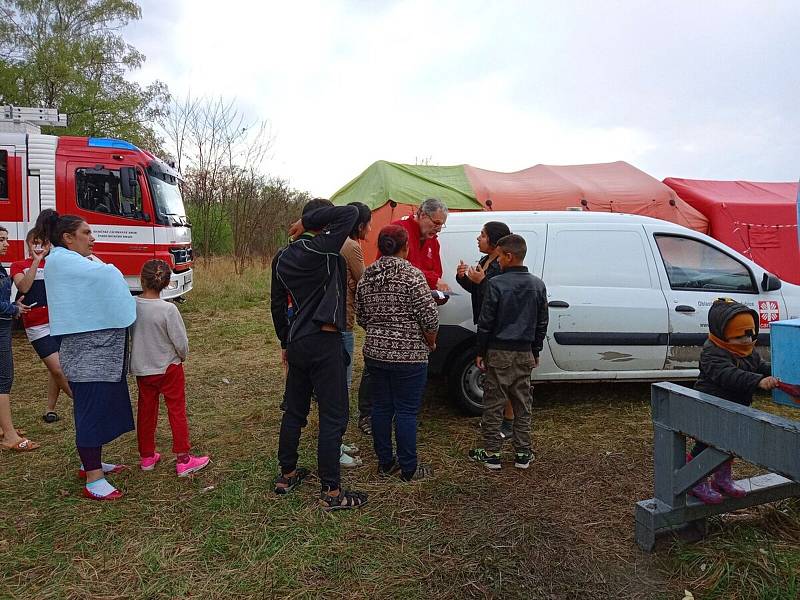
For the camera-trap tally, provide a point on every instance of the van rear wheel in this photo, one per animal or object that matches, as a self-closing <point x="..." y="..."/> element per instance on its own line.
<point x="465" y="383"/>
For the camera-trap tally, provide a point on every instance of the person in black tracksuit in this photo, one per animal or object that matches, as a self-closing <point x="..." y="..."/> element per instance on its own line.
<point x="308" y="305"/>
<point x="731" y="369"/>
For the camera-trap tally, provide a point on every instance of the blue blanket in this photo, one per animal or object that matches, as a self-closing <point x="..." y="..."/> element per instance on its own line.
<point x="83" y="295"/>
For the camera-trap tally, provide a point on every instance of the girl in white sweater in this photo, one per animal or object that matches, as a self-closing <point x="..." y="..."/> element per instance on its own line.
<point x="159" y="345"/>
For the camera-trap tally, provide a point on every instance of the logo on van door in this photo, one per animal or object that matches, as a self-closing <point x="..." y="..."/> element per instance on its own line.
<point x="768" y="311"/>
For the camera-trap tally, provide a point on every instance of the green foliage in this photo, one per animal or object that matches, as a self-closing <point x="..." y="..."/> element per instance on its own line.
<point x="221" y="242"/>
<point x="69" y="55"/>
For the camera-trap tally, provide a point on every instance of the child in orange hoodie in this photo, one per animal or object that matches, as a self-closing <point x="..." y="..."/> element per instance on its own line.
<point x="731" y="369"/>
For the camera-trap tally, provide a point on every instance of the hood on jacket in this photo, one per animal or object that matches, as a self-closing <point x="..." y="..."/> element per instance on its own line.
<point x="722" y="311"/>
<point x="386" y="268"/>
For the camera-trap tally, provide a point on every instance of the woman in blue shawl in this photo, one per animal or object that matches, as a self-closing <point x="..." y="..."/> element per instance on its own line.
<point x="90" y="308"/>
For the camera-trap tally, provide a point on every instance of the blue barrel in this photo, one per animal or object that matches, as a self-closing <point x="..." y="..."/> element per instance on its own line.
<point x="784" y="340"/>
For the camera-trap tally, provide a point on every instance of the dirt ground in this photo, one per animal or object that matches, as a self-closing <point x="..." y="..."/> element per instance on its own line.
<point x="561" y="529"/>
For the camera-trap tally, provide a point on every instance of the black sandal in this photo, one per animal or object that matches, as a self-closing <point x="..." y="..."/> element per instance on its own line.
<point x="50" y="416"/>
<point x="292" y="482"/>
<point x="345" y="500"/>
<point x="365" y="425"/>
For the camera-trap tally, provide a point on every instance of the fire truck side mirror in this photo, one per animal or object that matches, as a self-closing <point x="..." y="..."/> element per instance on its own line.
<point x="128" y="181"/>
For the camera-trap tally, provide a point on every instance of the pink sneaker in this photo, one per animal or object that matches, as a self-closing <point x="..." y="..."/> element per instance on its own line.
<point x="194" y="464"/>
<point x="149" y="463"/>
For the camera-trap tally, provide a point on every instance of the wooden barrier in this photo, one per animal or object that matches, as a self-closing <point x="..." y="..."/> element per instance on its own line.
<point x="728" y="428"/>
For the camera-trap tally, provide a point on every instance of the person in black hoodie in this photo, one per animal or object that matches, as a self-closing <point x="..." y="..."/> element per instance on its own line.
<point x="475" y="280"/>
<point x="730" y="369"/>
<point x="308" y="304"/>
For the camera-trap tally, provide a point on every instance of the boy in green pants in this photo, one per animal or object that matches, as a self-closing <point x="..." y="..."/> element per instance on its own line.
<point x="511" y="330"/>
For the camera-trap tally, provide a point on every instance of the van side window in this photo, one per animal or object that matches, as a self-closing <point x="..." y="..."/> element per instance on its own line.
<point x="695" y="265"/>
<point x="4" y="174"/>
<point x="99" y="190"/>
<point x="598" y="259"/>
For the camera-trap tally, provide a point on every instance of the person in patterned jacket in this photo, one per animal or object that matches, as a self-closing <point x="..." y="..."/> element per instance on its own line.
<point x="395" y="307"/>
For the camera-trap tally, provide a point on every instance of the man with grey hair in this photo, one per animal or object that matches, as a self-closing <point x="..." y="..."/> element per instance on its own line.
<point x="423" y="245"/>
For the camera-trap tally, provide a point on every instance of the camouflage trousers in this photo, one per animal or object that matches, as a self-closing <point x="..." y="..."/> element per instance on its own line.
<point x="508" y="378"/>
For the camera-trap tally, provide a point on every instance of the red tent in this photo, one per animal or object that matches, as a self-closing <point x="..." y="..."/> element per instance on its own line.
<point x="757" y="219"/>
<point x="604" y="187"/>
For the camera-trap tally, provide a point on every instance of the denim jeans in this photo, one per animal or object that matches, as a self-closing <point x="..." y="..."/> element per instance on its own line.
<point x="396" y="390"/>
<point x="349" y="340"/>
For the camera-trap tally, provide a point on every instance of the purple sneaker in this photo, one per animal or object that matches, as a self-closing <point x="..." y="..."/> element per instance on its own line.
<point x="194" y="464"/>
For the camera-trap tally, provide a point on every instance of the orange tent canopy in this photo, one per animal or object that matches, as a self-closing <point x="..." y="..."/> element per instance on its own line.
<point x="605" y="187"/>
<point x="394" y="190"/>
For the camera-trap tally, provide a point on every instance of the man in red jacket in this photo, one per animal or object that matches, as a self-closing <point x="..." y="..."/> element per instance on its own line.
<point x="423" y="244"/>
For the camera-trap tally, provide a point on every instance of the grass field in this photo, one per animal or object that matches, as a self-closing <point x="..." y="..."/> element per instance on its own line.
<point x="561" y="529"/>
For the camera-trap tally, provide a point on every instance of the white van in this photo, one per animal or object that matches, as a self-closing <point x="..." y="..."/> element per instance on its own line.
<point x="628" y="296"/>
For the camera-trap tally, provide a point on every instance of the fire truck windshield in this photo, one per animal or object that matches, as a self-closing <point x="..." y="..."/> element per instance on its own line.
<point x="166" y="194"/>
<point x="167" y="199"/>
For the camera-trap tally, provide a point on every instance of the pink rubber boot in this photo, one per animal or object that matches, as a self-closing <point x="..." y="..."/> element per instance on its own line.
<point x="705" y="493"/>
<point x="723" y="482"/>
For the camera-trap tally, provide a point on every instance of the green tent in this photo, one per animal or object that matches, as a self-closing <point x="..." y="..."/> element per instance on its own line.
<point x="409" y="184"/>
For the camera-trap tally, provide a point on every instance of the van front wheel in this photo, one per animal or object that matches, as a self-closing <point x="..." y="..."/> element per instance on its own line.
<point x="465" y="382"/>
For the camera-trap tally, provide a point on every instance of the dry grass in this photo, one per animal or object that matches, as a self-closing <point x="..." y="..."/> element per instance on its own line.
<point x="561" y="529"/>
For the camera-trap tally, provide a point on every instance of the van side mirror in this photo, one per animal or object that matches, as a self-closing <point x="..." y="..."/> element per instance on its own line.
<point x="127" y="179"/>
<point x="770" y="283"/>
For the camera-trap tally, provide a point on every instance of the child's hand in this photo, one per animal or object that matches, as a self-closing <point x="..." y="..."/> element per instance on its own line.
<point x="22" y="308"/>
<point x="479" y="363"/>
<point x="768" y="383"/>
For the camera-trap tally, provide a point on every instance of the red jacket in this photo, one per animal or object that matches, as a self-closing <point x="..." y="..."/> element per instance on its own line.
<point x="426" y="257"/>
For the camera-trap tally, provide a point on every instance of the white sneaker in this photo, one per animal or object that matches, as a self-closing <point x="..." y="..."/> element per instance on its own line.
<point x="348" y="462"/>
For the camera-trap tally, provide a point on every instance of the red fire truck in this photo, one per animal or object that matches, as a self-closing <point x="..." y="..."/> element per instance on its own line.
<point x="130" y="198"/>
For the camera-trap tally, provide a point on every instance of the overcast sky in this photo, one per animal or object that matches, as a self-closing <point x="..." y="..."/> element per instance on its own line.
<point x="705" y="89"/>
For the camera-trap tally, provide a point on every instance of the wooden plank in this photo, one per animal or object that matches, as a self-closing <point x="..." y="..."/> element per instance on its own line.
<point x="654" y="517"/>
<point x="758" y="437"/>
<point x="703" y="464"/>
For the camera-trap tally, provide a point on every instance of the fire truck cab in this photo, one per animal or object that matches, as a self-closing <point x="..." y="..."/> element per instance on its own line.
<point x="130" y="198"/>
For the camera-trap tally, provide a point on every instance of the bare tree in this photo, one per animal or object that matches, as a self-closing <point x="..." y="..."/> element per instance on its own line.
<point x="221" y="158"/>
<point x="215" y="146"/>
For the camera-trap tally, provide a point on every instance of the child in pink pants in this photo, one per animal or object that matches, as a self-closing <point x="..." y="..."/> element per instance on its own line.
<point x="159" y="345"/>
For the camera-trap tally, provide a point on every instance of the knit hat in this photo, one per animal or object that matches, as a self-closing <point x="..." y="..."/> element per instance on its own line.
<point x="740" y="324"/>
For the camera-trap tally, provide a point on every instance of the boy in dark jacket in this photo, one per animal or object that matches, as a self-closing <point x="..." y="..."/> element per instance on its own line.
<point x="730" y="369"/>
<point x="511" y="330"/>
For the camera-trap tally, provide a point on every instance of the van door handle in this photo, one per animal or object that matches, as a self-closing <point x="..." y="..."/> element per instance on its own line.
<point x="558" y="304"/>
<point x="684" y="308"/>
